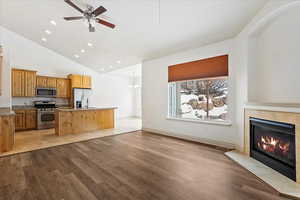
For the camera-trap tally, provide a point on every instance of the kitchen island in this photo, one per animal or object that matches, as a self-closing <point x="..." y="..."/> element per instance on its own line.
<point x="74" y="121"/>
<point x="7" y="129"/>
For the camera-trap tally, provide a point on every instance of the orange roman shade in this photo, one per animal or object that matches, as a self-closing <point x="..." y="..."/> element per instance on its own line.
<point x="205" y="68"/>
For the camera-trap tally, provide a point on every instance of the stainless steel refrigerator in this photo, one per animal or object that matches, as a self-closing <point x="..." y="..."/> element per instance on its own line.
<point x="81" y="97"/>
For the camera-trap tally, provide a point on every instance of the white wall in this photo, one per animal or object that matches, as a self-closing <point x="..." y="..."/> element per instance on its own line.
<point x="275" y="75"/>
<point x="245" y="62"/>
<point x="278" y="43"/>
<point x="155" y="96"/>
<point x="108" y="89"/>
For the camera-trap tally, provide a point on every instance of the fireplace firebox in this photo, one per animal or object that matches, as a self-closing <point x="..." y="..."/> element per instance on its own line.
<point x="273" y="143"/>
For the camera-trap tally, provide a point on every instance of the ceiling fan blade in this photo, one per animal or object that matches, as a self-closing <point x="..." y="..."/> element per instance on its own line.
<point x="72" y="18"/>
<point x="91" y="28"/>
<point x="99" y="11"/>
<point x="105" y="23"/>
<point x="74" y="6"/>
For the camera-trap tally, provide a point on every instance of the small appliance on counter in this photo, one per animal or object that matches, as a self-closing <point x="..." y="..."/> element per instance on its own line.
<point x="81" y="97"/>
<point x="45" y="114"/>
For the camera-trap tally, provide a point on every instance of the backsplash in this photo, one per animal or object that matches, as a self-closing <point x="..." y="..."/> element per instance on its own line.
<point x="21" y="101"/>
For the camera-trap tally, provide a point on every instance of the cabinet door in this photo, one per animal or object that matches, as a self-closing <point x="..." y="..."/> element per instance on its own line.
<point x="68" y="88"/>
<point x="20" y="120"/>
<point x="59" y="87"/>
<point x="62" y="87"/>
<point x="30" y="118"/>
<point x="51" y="82"/>
<point x="30" y="83"/>
<point x="76" y="81"/>
<point x="18" y="83"/>
<point x="86" y="82"/>
<point x="41" y="82"/>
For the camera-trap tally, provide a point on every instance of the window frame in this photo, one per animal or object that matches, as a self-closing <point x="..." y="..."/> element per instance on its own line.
<point x="171" y="99"/>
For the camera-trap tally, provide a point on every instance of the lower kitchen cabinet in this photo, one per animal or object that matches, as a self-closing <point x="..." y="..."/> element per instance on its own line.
<point x="20" y="120"/>
<point x="25" y="119"/>
<point x="30" y="118"/>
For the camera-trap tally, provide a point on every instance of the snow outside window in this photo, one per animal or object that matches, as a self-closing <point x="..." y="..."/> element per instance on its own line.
<point x="202" y="99"/>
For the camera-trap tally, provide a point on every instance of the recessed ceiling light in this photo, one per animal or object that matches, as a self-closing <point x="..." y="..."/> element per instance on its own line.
<point x="90" y="44"/>
<point x="44" y="39"/>
<point x="53" y="22"/>
<point x="118" y="62"/>
<point x="48" y="32"/>
<point x="76" y="56"/>
<point x="82" y="51"/>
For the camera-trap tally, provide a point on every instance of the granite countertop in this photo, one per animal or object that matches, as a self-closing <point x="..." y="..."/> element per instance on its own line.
<point x="6" y="112"/>
<point x="84" y="109"/>
<point x="23" y="107"/>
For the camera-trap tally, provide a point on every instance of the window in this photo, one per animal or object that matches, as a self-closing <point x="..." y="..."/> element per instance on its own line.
<point x="201" y="99"/>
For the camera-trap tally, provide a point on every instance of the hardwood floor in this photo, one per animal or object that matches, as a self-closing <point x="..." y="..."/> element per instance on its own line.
<point x="137" y="165"/>
<point x="40" y="139"/>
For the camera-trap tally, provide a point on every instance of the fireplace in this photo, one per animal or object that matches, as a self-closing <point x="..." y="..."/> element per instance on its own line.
<point x="273" y="143"/>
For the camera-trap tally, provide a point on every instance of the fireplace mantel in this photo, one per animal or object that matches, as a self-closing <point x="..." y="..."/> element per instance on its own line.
<point x="279" y="107"/>
<point x="286" y="117"/>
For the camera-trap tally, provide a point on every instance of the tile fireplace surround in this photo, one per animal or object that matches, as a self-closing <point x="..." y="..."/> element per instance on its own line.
<point x="281" y="183"/>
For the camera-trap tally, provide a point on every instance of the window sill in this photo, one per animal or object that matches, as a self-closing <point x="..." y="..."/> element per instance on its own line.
<point x="223" y="123"/>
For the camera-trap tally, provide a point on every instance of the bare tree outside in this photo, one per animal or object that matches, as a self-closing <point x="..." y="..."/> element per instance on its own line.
<point x="203" y="99"/>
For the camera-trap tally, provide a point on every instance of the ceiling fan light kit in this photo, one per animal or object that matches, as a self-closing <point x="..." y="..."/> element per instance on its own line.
<point x="89" y="16"/>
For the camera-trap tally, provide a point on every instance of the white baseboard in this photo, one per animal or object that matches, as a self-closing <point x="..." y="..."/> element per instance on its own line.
<point x="191" y="138"/>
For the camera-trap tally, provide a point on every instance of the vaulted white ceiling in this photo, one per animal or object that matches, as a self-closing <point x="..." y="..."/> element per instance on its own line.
<point x="145" y="28"/>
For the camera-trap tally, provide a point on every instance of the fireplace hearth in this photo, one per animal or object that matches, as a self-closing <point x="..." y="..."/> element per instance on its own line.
<point x="273" y="143"/>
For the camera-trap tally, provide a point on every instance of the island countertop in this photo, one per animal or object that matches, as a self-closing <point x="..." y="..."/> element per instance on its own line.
<point x="85" y="109"/>
<point x="73" y="121"/>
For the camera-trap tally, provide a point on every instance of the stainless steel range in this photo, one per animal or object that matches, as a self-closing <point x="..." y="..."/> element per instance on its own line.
<point x="45" y="114"/>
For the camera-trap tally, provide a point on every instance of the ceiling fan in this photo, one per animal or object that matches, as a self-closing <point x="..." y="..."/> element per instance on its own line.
<point x="90" y="15"/>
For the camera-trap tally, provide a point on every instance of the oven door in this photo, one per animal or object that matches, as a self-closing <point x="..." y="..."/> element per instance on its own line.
<point x="46" y="92"/>
<point x="46" y="119"/>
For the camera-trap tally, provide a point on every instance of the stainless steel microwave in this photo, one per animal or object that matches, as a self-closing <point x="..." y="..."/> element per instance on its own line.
<point x="46" y="92"/>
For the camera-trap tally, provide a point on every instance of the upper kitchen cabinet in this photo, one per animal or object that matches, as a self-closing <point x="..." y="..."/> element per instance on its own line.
<point x="23" y="83"/>
<point x="63" y="88"/>
<point x="86" y="82"/>
<point x="76" y="80"/>
<point x="80" y="81"/>
<point x="51" y="81"/>
<point x="45" y="82"/>
<point x="30" y="83"/>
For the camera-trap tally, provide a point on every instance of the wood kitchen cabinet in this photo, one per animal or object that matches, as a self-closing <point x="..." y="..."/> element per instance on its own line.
<point x="76" y="80"/>
<point x="86" y="82"/>
<point x="25" y="119"/>
<point x="18" y="83"/>
<point x="23" y="83"/>
<point x="63" y="88"/>
<point x="20" y="122"/>
<point x="30" y="83"/>
<point x="45" y="82"/>
<point x="80" y="81"/>
<point x="30" y="119"/>
<point x="51" y="82"/>
<point x="41" y="81"/>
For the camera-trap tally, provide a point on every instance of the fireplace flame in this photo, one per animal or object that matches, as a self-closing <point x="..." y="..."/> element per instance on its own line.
<point x="271" y="144"/>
